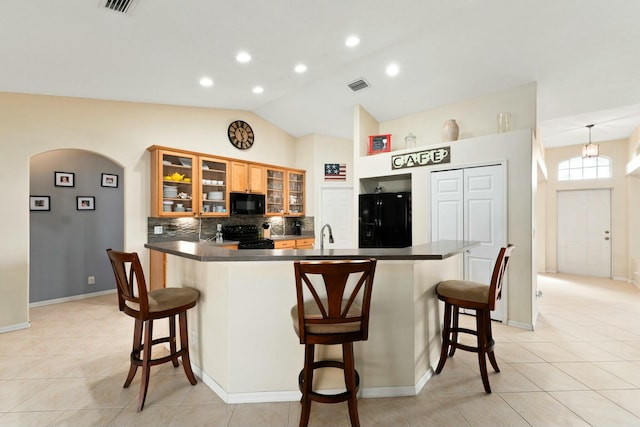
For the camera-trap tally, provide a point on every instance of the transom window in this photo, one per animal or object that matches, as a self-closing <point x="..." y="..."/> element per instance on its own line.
<point x="579" y="168"/>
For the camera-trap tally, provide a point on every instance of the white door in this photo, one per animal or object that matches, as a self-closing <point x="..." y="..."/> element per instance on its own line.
<point x="336" y="209"/>
<point x="584" y="232"/>
<point x="470" y="204"/>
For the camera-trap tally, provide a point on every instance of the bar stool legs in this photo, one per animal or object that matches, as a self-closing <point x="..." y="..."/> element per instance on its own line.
<point x="351" y="380"/>
<point x="484" y="339"/>
<point x="141" y="354"/>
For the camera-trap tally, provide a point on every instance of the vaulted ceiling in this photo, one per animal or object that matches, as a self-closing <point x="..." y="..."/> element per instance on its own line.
<point x="583" y="55"/>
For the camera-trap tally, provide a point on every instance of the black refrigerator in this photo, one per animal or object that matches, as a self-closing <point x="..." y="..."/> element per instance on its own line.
<point x="385" y="220"/>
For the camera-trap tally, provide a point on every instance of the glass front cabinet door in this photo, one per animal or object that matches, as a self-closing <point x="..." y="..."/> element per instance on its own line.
<point x="276" y="192"/>
<point x="214" y="197"/>
<point x="173" y="179"/>
<point x="295" y="193"/>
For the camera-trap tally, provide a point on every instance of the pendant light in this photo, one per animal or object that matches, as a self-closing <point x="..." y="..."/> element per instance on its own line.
<point x="590" y="150"/>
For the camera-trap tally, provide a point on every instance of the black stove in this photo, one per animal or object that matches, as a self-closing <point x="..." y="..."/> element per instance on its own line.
<point x="247" y="236"/>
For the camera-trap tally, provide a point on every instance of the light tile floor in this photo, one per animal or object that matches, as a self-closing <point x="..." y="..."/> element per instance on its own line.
<point x="580" y="367"/>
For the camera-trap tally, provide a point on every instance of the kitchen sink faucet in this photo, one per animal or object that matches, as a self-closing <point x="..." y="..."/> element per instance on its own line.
<point x="322" y="235"/>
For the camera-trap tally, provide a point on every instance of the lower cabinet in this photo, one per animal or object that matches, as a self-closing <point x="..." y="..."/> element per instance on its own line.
<point x="157" y="270"/>
<point x="306" y="243"/>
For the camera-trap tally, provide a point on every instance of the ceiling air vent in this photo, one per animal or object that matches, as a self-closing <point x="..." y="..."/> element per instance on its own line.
<point x="358" y="85"/>
<point x="122" y="6"/>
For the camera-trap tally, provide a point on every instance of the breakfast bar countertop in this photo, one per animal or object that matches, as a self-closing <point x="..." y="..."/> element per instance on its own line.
<point x="212" y="253"/>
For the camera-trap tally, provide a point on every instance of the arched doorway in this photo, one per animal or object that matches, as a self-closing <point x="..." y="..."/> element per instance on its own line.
<point x="85" y="216"/>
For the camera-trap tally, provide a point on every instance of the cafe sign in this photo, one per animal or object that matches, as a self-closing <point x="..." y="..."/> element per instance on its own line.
<point x="434" y="156"/>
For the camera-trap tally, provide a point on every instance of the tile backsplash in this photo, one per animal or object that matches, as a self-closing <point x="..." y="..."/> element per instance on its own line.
<point x="192" y="229"/>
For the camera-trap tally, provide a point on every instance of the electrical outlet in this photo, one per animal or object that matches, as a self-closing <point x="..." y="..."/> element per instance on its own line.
<point x="157" y="229"/>
<point x="91" y="280"/>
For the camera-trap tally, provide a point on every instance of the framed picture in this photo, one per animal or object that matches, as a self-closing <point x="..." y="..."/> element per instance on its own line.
<point x="86" y="203"/>
<point x="65" y="179"/>
<point x="109" y="180"/>
<point x="379" y="143"/>
<point x="39" y="203"/>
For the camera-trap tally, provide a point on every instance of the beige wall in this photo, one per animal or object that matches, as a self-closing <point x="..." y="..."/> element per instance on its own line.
<point x="617" y="152"/>
<point x="633" y="181"/>
<point x="475" y="117"/>
<point x="478" y="144"/>
<point x="313" y="151"/>
<point x="32" y="124"/>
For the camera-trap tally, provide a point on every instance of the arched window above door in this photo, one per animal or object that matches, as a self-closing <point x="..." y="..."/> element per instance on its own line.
<point x="578" y="168"/>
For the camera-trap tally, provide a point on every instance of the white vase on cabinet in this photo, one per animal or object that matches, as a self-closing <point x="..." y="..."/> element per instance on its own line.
<point x="450" y="131"/>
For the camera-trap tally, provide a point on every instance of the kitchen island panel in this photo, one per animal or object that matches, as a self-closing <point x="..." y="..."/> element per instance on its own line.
<point x="245" y="349"/>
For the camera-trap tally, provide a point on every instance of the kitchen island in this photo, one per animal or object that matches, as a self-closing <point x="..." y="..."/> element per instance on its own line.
<point x="242" y="342"/>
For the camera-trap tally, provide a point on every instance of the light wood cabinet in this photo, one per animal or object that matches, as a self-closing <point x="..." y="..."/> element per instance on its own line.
<point x="306" y="243"/>
<point x="187" y="184"/>
<point x="284" y="244"/>
<point x="173" y="183"/>
<point x="285" y="192"/>
<point x="295" y="193"/>
<point x="247" y="177"/>
<point x="214" y="183"/>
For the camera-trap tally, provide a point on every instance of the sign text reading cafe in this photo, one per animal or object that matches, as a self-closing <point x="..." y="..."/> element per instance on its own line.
<point x="434" y="156"/>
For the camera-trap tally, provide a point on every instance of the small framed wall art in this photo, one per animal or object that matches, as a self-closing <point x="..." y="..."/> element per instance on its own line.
<point x="39" y="203"/>
<point x="65" y="179"/>
<point x="86" y="203"/>
<point x="109" y="180"/>
<point x="379" y="143"/>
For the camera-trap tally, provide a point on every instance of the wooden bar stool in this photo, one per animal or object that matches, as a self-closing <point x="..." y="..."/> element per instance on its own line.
<point x="332" y="316"/>
<point x="480" y="297"/>
<point x="145" y="307"/>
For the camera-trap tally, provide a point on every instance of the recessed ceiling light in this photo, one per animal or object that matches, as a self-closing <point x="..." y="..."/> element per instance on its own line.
<point x="352" y="41"/>
<point x="392" y="70"/>
<point x="243" y="57"/>
<point x="300" y="68"/>
<point x="258" y="89"/>
<point x="206" y="82"/>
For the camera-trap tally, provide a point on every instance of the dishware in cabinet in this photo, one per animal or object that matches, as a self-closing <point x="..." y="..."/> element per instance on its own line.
<point x="173" y="178"/>
<point x="285" y="192"/>
<point x="214" y="200"/>
<point x="295" y="193"/>
<point x="276" y="192"/>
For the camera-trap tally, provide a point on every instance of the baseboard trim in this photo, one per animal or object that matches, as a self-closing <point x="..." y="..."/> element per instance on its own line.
<point x="526" y="326"/>
<point x="294" y="395"/>
<point x="72" y="298"/>
<point x="15" y="327"/>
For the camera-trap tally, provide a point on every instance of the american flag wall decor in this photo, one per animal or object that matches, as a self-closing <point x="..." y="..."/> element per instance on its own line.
<point x="335" y="172"/>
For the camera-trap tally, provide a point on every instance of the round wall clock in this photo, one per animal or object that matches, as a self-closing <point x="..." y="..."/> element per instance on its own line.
<point x="241" y="135"/>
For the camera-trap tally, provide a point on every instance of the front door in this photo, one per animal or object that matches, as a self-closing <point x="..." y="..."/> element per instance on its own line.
<point x="584" y="232"/>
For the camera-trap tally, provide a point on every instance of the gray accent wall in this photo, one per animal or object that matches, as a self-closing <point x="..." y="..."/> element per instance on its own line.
<point x="68" y="245"/>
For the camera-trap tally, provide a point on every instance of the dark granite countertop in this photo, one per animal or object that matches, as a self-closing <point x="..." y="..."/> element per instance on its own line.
<point x="214" y="253"/>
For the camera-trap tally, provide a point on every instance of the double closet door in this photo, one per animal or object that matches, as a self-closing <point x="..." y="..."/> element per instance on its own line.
<point x="470" y="204"/>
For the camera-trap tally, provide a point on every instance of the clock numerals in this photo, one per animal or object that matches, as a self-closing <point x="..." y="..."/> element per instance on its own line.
<point x="241" y="135"/>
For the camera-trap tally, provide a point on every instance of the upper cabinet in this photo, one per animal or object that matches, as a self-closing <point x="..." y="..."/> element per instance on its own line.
<point x="173" y="178"/>
<point x="247" y="178"/>
<point x="295" y="195"/>
<point x="214" y="181"/>
<point x="285" y="192"/>
<point x="185" y="183"/>
<point x="276" y="191"/>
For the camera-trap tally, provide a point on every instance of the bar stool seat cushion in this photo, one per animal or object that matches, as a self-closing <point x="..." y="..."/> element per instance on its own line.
<point x="168" y="299"/>
<point x="312" y="311"/>
<point x="464" y="290"/>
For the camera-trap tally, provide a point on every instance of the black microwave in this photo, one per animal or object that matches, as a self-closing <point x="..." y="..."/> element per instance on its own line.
<point x="246" y="204"/>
